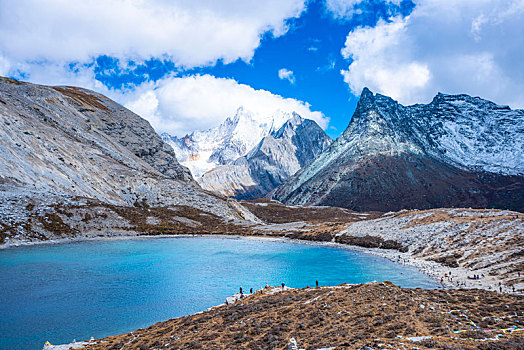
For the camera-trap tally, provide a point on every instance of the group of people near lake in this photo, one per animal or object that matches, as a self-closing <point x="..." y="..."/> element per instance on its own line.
<point x="513" y="286"/>
<point x="242" y="292"/>
<point x="448" y="277"/>
<point x="283" y="285"/>
<point x="475" y="277"/>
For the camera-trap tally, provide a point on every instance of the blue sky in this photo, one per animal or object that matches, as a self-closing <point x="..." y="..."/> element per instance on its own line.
<point x="188" y="65"/>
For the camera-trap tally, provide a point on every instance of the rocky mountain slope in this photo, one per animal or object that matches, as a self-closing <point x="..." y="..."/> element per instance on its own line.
<point x="278" y="156"/>
<point x="468" y="242"/>
<point x="64" y="146"/>
<point x="204" y="150"/>
<point x="455" y="151"/>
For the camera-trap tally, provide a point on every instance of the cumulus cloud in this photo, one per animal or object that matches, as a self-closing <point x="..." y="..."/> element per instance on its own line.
<point x="4" y="65"/>
<point x="286" y="74"/>
<point x="190" y="33"/>
<point x="470" y="46"/>
<point x="59" y="74"/>
<point x="179" y="105"/>
<point x="376" y="62"/>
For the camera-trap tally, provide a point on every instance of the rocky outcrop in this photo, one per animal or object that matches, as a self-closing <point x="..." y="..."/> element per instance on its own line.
<point x="278" y="156"/>
<point x="128" y="129"/>
<point x="455" y="151"/>
<point x="58" y="144"/>
<point x="292" y="345"/>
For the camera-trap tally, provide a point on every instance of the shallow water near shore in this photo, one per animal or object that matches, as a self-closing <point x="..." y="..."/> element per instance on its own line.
<point x="99" y="288"/>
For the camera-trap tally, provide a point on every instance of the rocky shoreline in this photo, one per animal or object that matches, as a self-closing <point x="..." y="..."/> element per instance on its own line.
<point x="401" y="228"/>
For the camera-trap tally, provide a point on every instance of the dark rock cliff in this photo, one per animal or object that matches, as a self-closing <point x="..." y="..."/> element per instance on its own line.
<point x="455" y="151"/>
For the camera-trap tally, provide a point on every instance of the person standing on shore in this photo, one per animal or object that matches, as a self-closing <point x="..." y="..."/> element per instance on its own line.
<point x="283" y="285"/>
<point x="316" y="282"/>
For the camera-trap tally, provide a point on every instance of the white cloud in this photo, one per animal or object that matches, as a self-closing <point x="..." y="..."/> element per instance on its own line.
<point x="4" y="66"/>
<point x="469" y="46"/>
<point x="181" y="105"/>
<point x="377" y="65"/>
<point x="286" y="74"/>
<point x="190" y="33"/>
<point x="58" y="74"/>
<point x="330" y="65"/>
<point x="347" y="8"/>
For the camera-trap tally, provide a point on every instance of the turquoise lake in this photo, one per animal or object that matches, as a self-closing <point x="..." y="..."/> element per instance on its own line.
<point x="62" y="292"/>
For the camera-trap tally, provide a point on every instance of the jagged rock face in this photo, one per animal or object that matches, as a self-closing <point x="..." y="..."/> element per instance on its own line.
<point x="455" y="151"/>
<point x="204" y="150"/>
<point x="77" y="111"/>
<point x="277" y="157"/>
<point x="64" y="142"/>
<point x="131" y="131"/>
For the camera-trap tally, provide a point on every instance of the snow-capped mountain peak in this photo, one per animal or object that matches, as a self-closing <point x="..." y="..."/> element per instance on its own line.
<point x="204" y="150"/>
<point x="276" y="157"/>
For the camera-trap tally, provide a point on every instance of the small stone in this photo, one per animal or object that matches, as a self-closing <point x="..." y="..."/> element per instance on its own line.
<point x="292" y="345"/>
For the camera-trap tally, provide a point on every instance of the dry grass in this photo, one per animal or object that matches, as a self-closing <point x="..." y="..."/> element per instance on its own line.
<point x="81" y="97"/>
<point x="438" y="215"/>
<point x="52" y="222"/>
<point x="346" y="317"/>
<point x="274" y="212"/>
<point x="370" y="242"/>
<point x="11" y="81"/>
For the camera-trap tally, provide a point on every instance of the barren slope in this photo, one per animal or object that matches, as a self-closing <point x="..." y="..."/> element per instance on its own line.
<point x="378" y="315"/>
<point x="63" y="146"/>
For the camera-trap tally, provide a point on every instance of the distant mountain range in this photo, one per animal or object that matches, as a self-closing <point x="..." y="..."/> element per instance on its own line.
<point x="457" y="151"/>
<point x="204" y="150"/>
<point x="277" y="156"/>
<point x="247" y="156"/>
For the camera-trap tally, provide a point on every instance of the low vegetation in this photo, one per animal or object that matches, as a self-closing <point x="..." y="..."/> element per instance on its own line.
<point x="275" y="212"/>
<point x="377" y="315"/>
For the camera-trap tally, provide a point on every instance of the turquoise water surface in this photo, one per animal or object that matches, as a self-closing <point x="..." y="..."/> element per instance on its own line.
<point x="99" y="288"/>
